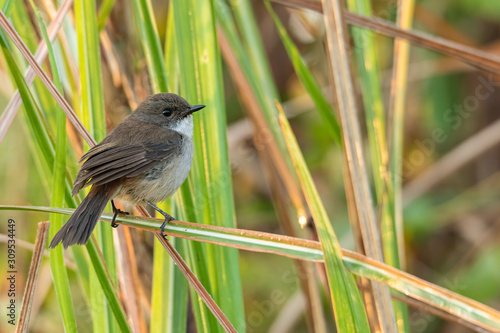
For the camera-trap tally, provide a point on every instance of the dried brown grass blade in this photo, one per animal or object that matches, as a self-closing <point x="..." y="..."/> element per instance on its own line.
<point x="29" y="292"/>
<point x="9" y="29"/>
<point x="41" y="53"/>
<point x="336" y="33"/>
<point x="474" y="57"/>
<point x="196" y="284"/>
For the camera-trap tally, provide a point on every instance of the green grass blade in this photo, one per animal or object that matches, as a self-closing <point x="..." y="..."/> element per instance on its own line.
<point x="201" y="83"/>
<point x="177" y="292"/>
<point x="151" y="45"/>
<point x="59" y="271"/>
<point x="160" y="292"/>
<point x="7" y="7"/>
<point x="397" y="109"/>
<point x="169" y="293"/>
<point x="94" y="120"/>
<point x="96" y="298"/>
<point x="168" y="314"/>
<point x="159" y="83"/>
<point x="107" y="288"/>
<point x="170" y="288"/>
<point x="104" y="12"/>
<point x="347" y="304"/>
<point x="246" y="23"/>
<point x="204" y="320"/>
<point x="308" y="81"/>
<point x="170" y="54"/>
<point x="90" y="68"/>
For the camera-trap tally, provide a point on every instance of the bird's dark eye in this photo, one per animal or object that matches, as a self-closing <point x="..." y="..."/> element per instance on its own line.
<point x="167" y="113"/>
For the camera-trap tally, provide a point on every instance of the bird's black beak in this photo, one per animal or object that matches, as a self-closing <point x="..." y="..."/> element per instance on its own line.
<point x="193" y="108"/>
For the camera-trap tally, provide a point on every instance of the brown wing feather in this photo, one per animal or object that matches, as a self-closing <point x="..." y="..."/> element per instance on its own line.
<point x="107" y="162"/>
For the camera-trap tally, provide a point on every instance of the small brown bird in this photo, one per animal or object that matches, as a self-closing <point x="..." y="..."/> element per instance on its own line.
<point x="144" y="160"/>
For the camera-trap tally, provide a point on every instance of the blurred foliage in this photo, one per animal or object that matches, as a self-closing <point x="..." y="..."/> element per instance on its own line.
<point x="452" y="232"/>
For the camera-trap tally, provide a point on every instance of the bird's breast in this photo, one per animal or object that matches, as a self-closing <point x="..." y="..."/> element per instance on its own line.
<point x="163" y="180"/>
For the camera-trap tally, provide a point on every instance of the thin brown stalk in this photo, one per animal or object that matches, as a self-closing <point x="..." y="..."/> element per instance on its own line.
<point x="29" y="292"/>
<point x="41" y="53"/>
<point x="464" y="153"/>
<point x="336" y="33"/>
<point x="9" y="29"/>
<point x="196" y="284"/>
<point x="252" y="106"/>
<point x="474" y="57"/>
<point x="44" y="287"/>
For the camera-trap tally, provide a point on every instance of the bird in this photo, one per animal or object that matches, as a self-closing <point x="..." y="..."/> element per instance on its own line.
<point x="143" y="160"/>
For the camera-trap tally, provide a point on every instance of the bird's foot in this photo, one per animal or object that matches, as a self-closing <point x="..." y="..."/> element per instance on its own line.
<point x="116" y="211"/>
<point x="168" y="218"/>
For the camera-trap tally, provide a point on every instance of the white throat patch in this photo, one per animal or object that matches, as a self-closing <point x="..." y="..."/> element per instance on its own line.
<point x="185" y="126"/>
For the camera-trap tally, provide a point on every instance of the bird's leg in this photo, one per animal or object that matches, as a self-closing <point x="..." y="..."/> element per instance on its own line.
<point x="168" y="218"/>
<point x="116" y="211"/>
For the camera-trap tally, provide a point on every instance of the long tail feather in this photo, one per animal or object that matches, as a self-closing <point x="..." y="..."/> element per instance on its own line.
<point x="81" y="224"/>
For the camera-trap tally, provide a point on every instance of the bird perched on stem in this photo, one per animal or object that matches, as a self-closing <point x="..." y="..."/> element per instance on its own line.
<point x="144" y="160"/>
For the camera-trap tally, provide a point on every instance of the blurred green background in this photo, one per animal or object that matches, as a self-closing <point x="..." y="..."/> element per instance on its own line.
<point x="452" y="230"/>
